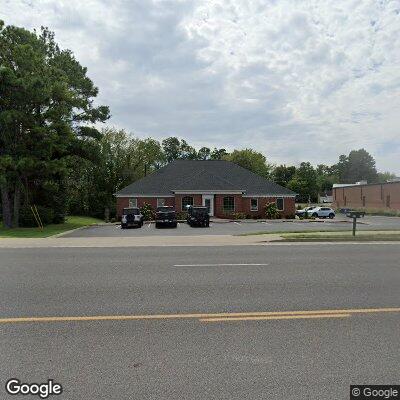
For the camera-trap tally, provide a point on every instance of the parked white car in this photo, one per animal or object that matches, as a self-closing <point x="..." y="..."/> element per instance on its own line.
<point x="307" y="210"/>
<point x="322" y="212"/>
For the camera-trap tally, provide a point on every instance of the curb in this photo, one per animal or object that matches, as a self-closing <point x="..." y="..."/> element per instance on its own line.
<point x="72" y="230"/>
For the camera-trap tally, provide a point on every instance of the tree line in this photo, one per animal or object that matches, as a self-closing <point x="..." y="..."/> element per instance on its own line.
<point x="53" y="156"/>
<point x="123" y="159"/>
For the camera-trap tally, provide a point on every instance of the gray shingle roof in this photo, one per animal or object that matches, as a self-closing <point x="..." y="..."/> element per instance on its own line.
<point x="210" y="175"/>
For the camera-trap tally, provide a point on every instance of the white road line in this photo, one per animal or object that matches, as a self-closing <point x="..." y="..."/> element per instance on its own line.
<point x="217" y="265"/>
<point x="148" y="226"/>
<point x="118" y="226"/>
<point x="237" y="223"/>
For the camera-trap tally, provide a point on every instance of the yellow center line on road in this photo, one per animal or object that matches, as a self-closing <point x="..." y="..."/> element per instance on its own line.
<point x="277" y="317"/>
<point x="197" y="316"/>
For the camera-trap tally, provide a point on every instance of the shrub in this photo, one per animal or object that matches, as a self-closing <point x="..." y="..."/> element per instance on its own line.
<point x="239" y="215"/>
<point x="306" y="216"/>
<point x="271" y="211"/>
<point x="113" y="220"/>
<point x="59" y="218"/>
<point x="148" y="212"/>
<point x="181" y="215"/>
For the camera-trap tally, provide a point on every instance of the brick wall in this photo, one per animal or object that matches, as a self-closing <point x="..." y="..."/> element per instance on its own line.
<point x="368" y="196"/>
<point x="242" y="204"/>
<point x="123" y="202"/>
<point x="219" y="204"/>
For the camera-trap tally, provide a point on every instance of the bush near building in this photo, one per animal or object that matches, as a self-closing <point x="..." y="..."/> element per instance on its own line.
<point x="271" y="211"/>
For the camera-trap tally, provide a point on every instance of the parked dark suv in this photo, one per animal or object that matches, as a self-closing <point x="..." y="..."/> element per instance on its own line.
<point x="131" y="217"/>
<point x="198" y="216"/>
<point x="166" y="216"/>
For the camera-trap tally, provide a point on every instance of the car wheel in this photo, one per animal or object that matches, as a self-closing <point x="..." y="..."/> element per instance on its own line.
<point x="175" y="225"/>
<point x="157" y="226"/>
<point x="331" y="215"/>
<point x="315" y="215"/>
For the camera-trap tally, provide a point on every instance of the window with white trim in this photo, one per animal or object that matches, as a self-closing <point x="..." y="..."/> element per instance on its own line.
<point x="253" y="204"/>
<point x="132" y="202"/>
<point x="229" y="204"/>
<point x="160" y="202"/>
<point x="280" y="203"/>
<point x="186" y="201"/>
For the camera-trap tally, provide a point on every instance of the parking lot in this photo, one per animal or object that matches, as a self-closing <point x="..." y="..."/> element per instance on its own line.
<point x="218" y="227"/>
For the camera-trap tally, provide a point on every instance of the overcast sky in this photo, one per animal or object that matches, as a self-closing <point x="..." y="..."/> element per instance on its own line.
<point x="296" y="80"/>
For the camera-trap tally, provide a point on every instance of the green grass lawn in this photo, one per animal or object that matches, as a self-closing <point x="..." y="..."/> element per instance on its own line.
<point x="72" y="222"/>
<point x="343" y="236"/>
<point x="275" y="232"/>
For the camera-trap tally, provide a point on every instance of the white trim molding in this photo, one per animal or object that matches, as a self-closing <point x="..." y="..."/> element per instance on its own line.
<point x="208" y="191"/>
<point x="144" y="195"/>
<point x="283" y="203"/>
<point x="256" y="199"/>
<point x="205" y="192"/>
<point x="234" y="204"/>
<point x="253" y="196"/>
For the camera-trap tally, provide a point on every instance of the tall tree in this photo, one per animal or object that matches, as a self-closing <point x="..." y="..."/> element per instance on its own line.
<point x="251" y="160"/>
<point x="120" y="160"/>
<point x="386" y="176"/>
<point x="283" y="174"/>
<point x="175" y="149"/>
<point x="358" y="165"/>
<point x="304" y="182"/>
<point x="326" y="177"/>
<point x="204" y="154"/>
<point x="218" y="154"/>
<point x="46" y="106"/>
<point x="172" y="148"/>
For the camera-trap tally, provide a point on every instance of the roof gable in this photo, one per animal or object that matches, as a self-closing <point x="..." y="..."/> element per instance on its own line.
<point x="210" y="175"/>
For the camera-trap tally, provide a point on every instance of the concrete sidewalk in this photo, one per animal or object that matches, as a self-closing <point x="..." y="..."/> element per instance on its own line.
<point x="148" y="241"/>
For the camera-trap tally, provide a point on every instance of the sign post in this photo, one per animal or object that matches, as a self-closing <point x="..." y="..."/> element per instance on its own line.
<point x="355" y="215"/>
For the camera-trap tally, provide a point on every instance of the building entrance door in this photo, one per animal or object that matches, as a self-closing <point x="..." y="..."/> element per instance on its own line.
<point x="208" y="201"/>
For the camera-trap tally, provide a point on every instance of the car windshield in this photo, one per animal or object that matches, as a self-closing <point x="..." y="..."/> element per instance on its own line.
<point x="131" y="211"/>
<point x="199" y="211"/>
<point x="166" y="213"/>
<point x="165" y="209"/>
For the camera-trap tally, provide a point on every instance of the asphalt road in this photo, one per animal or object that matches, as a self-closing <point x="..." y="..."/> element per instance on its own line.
<point x="234" y="228"/>
<point x="198" y="357"/>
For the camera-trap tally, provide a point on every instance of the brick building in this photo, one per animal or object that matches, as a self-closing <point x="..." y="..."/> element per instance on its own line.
<point x="224" y="187"/>
<point x="362" y="195"/>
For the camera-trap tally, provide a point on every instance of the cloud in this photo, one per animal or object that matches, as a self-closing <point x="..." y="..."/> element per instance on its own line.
<point x="295" y="80"/>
